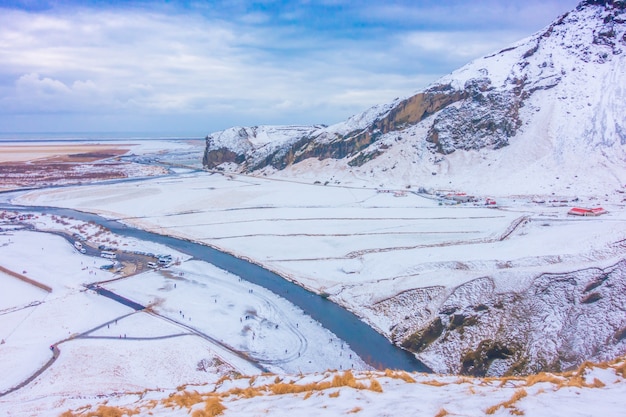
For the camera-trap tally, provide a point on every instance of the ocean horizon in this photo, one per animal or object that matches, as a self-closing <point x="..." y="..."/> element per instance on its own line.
<point x="93" y="136"/>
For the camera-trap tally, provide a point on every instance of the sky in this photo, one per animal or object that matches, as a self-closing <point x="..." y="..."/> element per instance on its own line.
<point x="189" y="68"/>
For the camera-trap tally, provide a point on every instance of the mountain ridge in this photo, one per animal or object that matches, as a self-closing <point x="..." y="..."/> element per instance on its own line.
<point x="559" y="95"/>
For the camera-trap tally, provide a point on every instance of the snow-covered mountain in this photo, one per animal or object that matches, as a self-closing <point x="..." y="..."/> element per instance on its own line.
<point x="551" y="105"/>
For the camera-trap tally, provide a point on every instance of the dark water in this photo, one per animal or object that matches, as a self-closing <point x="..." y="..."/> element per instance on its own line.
<point x="371" y="346"/>
<point x="122" y="300"/>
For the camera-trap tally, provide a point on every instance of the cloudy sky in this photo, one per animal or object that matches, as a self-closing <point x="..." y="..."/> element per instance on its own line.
<point x="192" y="67"/>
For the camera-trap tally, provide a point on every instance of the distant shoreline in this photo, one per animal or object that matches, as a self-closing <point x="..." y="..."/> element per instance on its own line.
<point x="74" y="136"/>
<point x="93" y="139"/>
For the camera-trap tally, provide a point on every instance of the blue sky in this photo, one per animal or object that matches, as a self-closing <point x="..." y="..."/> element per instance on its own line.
<point x="193" y="67"/>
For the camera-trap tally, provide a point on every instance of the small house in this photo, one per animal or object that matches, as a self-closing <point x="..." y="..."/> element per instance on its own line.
<point x="460" y="197"/>
<point x="579" y="211"/>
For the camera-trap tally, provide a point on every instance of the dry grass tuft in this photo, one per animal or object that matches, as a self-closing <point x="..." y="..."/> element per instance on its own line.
<point x="375" y="386"/>
<point x="108" y="411"/>
<point x="334" y="394"/>
<point x="620" y="370"/>
<point x="221" y="380"/>
<point x="518" y="395"/>
<point x="103" y="411"/>
<point x="183" y="399"/>
<point x="597" y="383"/>
<point x="577" y="378"/>
<point x="434" y="383"/>
<point x="249" y="392"/>
<point x="504" y="379"/>
<point x="280" y="389"/>
<point x="346" y="379"/>
<point x="543" y="377"/>
<point x="399" y="375"/>
<point x="442" y="413"/>
<point x="308" y="395"/>
<point x="355" y="410"/>
<point x="212" y="407"/>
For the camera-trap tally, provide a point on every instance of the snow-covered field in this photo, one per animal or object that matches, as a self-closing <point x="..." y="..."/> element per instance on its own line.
<point x="202" y="323"/>
<point x="393" y="260"/>
<point x="396" y="259"/>
<point x="335" y="239"/>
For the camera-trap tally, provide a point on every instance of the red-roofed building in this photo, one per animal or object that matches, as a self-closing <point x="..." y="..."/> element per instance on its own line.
<point x="578" y="211"/>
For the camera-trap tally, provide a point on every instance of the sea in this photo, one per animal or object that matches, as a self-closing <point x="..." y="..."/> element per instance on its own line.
<point x="95" y="136"/>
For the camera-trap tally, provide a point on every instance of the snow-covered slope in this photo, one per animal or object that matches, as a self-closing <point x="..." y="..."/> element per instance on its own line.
<point x="551" y="105"/>
<point x="252" y="144"/>
<point x="592" y="390"/>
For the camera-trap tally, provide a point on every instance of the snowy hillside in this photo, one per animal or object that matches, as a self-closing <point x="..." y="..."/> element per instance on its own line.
<point x="552" y="105"/>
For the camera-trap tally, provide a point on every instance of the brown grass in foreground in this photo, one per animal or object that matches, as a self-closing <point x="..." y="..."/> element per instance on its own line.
<point x="104" y="411"/>
<point x="399" y="375"/>
<point x="435" y="383"/>
<point x="183" y="399"/>
<point x="442" y="413"/>
<point x="518" y="395"/>
<point x="212" y="407"/>
<point x="193" y="400"/>
<point x="346" y="379"/>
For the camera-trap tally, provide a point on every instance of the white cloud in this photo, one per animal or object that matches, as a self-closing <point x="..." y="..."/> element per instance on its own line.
<point x="459" y="15"/>
<point x="33" y="84"/>
<point x="34" y="93"/>
<point x="461" y="46"/>
<point x="110" y="61"/>
<point x="167" y="65"/>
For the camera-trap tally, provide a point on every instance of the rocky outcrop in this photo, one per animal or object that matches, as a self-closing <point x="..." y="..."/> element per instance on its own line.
<point x="485" y="118"/>
<point x="213" y="158"/>
<point x="322" y="143"/>
<point x="557" y="323"/>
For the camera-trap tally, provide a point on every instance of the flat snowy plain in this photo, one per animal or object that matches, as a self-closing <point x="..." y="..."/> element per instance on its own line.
<point x="356" y="244"/>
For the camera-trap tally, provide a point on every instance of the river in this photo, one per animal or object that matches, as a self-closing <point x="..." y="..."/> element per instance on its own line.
<point x="370" y="345"/>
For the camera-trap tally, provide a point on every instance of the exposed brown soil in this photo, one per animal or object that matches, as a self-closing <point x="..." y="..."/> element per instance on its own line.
<point x="31" y="153"/>
<point x="27" y="165"/>
<point x="25" y="279"/>
<point x="24" y="174"/>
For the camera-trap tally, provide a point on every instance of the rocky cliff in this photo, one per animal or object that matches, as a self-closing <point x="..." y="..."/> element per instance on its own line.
<point x="477" y="331"/>
<point x="487" y="104"/>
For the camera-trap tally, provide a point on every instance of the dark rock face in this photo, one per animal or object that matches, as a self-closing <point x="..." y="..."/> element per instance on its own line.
<point x="609" y="4"/>
<point x="485" y="118"/>
<point x="421" y="339"/>
<point x="215" y="157"/>
<point x="406" y="113"/>
<point x="323" y="145"/>
<point x="418" y="107"/>
<point x="557" y="323"/>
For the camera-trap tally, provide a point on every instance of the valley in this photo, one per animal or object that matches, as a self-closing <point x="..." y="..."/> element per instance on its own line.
<point x="440" y="279"/>
<point x="405" y="264"/>
<point x="458" y="251"/>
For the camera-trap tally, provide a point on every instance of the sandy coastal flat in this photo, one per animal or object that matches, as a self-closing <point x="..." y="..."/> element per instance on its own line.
<point x="26" y="152"/>
<point x="32" y="165"/>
